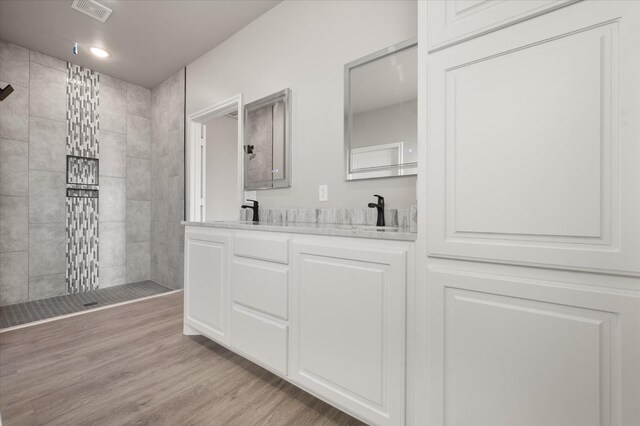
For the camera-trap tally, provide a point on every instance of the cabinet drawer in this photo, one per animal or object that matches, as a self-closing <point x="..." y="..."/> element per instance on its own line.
<point x="263" y="340"/>
<point x="264" y="247"/>
<point x="261" y="286"/>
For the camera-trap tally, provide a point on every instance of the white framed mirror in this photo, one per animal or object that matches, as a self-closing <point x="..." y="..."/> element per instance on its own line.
<point x="380" y="113"/>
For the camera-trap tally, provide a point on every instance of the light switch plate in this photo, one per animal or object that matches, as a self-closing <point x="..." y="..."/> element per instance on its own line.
<point x="323" y="192"/>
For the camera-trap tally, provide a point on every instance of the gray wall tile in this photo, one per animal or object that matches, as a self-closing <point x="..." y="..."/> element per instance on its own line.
<point x="14" y="224"/>
<point x="113" y="199"/>
<point x="138" y="262"/>
<point x="113" y="154"/>
<point x="138" y="221"/>
<point x="44" y="286"/>
<point x="14" y="167"/>
<point x="167" y="178"/>
<point x="138" y="136"/>
<point x="113" y="109"/>
<point x="113" y="275"/>
<point x="176" y="153"/>
<point x="113" y="244"/>
<point x="14" y="64"/>
<point x="138" y="100"/>
<point x="48" y="61"/>
<point x="47" y="248"/>
<point x="47" y="192"/>
<point x="14" y="115"/>
<point x="108" y="81"/>
<point x="14" y="278"/>
<point x="138" y="179"/>
<point x="47" y="144"/>
<point x="48" y="92"/>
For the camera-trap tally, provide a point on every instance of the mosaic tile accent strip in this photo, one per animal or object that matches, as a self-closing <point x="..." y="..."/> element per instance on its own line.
<point x="82" y="170"/>
<point x="82" y="244"/>
<point x="83" y="126"/>
<point x="83" y="106"/>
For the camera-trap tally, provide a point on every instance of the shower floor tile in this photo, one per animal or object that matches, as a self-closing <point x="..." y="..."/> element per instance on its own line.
<point x="36" y="310"/>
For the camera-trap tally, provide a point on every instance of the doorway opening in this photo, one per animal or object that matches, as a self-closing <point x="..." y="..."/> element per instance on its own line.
<point x="215" y="162"/>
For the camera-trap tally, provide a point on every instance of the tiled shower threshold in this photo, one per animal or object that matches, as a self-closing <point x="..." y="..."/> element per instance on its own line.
<point x="38" y="310"/>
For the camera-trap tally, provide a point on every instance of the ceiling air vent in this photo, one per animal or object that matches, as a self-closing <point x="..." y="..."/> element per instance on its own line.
<point x="92" y="8"/>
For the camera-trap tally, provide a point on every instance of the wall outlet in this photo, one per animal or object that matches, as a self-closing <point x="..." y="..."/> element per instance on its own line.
<point x="323" y="192"/>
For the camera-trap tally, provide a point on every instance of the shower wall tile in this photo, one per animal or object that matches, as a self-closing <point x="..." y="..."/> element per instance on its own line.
<point x="48" y="61"/>
<point x="108" y="81"/>
<point x="45" y="286"/>
<point x="138" y="262"/>
<point x="138" y="100"/>
<point x="112" y="244"/>
<point x="113" y="109"/>
<point x="138" y="136"/>
<point x="14" y="167"/>
<point x="47" y="145"/>
<point x="14" y="277"/>
<point x="167" y="181"/>
<point x="138" y="179"/>
<point x="14" y="225"/>
<point x="14" y="115"/>
<point x="47" y="192"/>
<point x="48" y="92"/>
<point x="113" y="154"/>
<point x="113" y="199"/>
<point x="138" y="221"/>
<point x="113" y="275"/>
<point x="14" y="64"/>
<point x="47" y="248"/>
<point x="176" y="112"/>
<point x="176" y="152"/>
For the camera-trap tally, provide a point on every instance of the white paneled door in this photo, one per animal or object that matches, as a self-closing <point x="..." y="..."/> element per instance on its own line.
<point x="534" y="154"/>
<point x="207" y="284"/>
<point x="527" y="351"/>
<point x="347" y="328"/>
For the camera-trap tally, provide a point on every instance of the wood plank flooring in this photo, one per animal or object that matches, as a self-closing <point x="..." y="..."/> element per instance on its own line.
<point x="131" y="365"/>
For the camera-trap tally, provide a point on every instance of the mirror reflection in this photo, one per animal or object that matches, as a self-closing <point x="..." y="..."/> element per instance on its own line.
<point x="381" y="113"/>
<point x="266" y="142"/>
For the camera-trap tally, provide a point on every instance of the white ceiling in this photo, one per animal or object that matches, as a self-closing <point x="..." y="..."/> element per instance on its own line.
<point x="148" y="40"/>
<point x="387" y="81"/>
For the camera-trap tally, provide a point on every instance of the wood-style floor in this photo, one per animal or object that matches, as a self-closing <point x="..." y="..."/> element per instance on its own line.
<point x="131" y="365"/>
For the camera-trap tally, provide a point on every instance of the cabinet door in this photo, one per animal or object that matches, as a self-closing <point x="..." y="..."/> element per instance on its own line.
<point x="453" y="21"/>
<point x="531" y="351"/>
<point x="533" y="155"/>
<point x="348" y="328"/>
<point x="207" y="284"/>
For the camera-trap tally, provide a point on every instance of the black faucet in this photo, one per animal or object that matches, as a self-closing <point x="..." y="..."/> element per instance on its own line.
<point x="380" y="208"/>
<point x="254" y="207"/>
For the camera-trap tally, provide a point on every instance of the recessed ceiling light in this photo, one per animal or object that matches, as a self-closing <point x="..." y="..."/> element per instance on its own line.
<point x="100" y="53"/>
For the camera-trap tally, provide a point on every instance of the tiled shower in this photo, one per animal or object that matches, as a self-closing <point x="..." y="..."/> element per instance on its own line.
<point x="77" y="204"/>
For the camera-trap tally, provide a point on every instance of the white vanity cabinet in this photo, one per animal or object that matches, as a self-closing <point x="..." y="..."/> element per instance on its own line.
<point x="259" y="298"/>
<point x="531" y="310"/>
<point x="206" y="278"/>
<point x="328" y="314"/>
<point x="348" y="326"/>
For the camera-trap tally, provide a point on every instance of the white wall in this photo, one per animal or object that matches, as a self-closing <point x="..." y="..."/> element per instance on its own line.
<point x="221" y="169"/>
<point x="304" y="45"/>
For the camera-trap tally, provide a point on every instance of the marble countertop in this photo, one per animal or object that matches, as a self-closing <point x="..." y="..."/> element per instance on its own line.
<point x="356" y="231"/>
